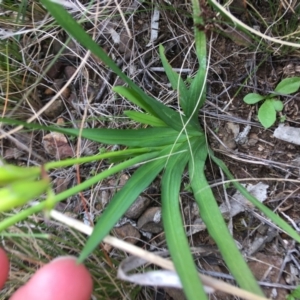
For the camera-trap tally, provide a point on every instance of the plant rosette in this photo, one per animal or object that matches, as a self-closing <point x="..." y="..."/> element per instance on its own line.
<point x="271" y="104"/>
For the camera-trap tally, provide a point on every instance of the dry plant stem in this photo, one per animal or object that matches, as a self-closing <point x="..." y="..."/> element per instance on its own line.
<point x="39" y="79"/>
<point x="83" y="200"/>
<point x="243" y="157"/>
<point x="254" y="179"/>
<point x="123" y="19"/>
<point x="237" y="21"/>
<point x="23" y="147"/>
<point x="7" y="84"/>
<point x="152" y="258"/>
<point x="82" y="64"/>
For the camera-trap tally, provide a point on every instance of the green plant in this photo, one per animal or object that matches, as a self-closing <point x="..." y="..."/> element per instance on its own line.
<point x="271" y="103"/>
<point x="171" y="142"/>
<point x="294" y="295"/>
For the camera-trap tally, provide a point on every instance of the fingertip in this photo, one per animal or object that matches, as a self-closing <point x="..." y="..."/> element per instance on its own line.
<point x="61" y="279"/>
<point x="4" y="267"/>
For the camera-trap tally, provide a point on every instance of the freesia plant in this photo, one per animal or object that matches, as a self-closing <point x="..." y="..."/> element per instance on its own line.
<point x="168" y="143"/>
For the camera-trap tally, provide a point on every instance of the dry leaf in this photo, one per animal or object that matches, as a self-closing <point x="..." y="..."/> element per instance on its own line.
<point x="57" y="145"/>
<point x="238" y="36"/>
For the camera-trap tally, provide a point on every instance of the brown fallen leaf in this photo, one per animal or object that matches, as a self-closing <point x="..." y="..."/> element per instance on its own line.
<point x="57" y="145"/>
<point x="238" y="36"/>
<point x="12" y="153"/>
<point x="61" y="184"/>
<point x="125" y="46"/>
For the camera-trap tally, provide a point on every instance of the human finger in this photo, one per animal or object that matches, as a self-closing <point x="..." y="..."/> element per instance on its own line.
<point x="61" y="279"/>
<point x="4" y="267"/>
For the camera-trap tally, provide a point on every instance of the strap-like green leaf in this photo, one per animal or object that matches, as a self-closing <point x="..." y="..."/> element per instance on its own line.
<point x="144" y="137"/>
<point x="197" y="91"/>
<point x="174" y="228"/>
<point x="77" y="188"/>
<point x="135" y="98"/>
<point x="63" y="18"/>
<point x="268" y="213"/>
<point x="169" y="116"/>
<point x="122" y="200"/>
<point x="175" y="80"/>
<point x="216" y="225"/>
<point x="143" y="118"/>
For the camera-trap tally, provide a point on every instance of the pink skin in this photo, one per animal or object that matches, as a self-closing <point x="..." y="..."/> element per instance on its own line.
<point x="60" y="279"/>
<point x="4" y="268"/>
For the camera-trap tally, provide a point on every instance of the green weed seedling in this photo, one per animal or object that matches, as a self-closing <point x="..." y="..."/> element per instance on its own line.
<point x="295" y="294"/>
<point x="271" y="104"/>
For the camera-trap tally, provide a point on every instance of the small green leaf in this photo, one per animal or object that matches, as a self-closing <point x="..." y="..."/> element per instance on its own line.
<point x="296" y="292"/>
<point x="282" y="119"/>
<point x="278" y="105"/>
<point x="267" y="114"/>
<point x="253" y="98"/>
<point x="288" y="85"/>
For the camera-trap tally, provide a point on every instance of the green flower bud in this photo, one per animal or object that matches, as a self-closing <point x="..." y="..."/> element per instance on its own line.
<point x="20" y="192"/>
<point x="10" y="173"/>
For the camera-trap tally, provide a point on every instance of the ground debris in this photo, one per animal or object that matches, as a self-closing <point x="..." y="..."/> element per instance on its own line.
<point x="288" y="134"/>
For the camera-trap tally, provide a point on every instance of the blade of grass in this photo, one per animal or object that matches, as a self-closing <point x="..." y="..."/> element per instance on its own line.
<point x="122" y="200"/>
<point x="216" y="225"/>
<point x="267" y="212"/>
<point x="174" y="227"/>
